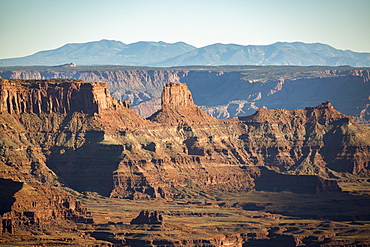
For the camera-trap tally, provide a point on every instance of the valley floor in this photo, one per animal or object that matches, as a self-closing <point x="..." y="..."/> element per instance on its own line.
<point x="245" y="219"/>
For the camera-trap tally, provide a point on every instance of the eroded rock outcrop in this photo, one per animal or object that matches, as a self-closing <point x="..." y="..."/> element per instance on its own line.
<point x="177" y="106"/>
<point x="29" y="194"/>
<point x="176" y="96"/>
<point x="58" y="96"/>
<point x="180" y="151"/>
<point x="292" y="142"/>
<point x="31" y="205"/>
<point x="148" y="217"/>
<point x="225" y="94"/>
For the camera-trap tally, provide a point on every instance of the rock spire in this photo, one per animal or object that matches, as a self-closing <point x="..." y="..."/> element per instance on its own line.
<point x="176" y="95"/>
<point x="177" y="106"/>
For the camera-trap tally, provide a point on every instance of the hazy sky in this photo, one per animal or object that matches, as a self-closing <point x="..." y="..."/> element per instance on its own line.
<point x="28" y="26"/>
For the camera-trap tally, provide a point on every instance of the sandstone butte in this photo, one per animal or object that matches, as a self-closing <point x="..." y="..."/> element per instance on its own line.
<point x="225" y="93"/>
<point x="75" y="133"/>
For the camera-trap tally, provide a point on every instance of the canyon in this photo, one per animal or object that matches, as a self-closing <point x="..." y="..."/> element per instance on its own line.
<point x="69" y="147"/>
<point x="225" y="91"/>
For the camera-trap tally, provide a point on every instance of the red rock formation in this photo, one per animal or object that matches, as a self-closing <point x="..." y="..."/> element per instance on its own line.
<point x="54" y="97"/>
<point x="148" y="217"/>
<point x="28" y="201"/>
<point x="177" y="106"/>
<point x="215" y="91"/>
<point x="180" y="152"/>
<point x="97" y="144"/>
<point x="219" y="92"/>
<point x="176" y="96"/>
<point x="28" y="204"/>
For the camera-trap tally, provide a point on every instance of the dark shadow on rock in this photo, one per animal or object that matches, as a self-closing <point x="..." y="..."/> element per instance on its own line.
<point x="8" y="188"/>
<point x="88" y="168"/>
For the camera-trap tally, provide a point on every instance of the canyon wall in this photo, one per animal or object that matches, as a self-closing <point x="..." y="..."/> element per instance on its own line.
<point x="226" y="94"/>
<point x="53" y="97"/>
<point x="35" y="117"/>
<point x="30" y="194"/>
<point x="137" y="86"/>
<point x="179" y="152"/>
<point x="69" y="135"/>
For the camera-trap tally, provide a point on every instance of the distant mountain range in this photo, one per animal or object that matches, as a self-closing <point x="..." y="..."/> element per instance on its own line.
<point x="161" y="54"/>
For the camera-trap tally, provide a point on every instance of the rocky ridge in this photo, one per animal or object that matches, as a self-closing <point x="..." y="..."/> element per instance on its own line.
<point x="75" y="133"/>
<point x="147" y="217"/>
<point x="179" y="139"/>
<point x="30" y="194"/>
<point x="224" y="93"/>
<point x="177" y="106"/>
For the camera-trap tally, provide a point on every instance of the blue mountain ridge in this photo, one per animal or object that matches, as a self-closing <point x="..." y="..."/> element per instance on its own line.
<point x="162" y="54"/>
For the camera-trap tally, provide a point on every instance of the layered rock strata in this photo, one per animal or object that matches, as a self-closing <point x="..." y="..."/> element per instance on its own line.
<point x="97" y="144"/>
<point x="57" y="96"/>
<point x="148" y="217"/>
<point x="177" y="106"/>
<point x="28" y="204"/>
<point x="225" y="93"/>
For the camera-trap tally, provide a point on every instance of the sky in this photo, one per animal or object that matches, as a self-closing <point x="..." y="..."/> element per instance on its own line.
<point x="29" y="26"/>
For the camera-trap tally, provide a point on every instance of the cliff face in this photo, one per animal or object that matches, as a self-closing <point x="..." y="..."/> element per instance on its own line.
<point x="180" y="151"/>
<point x="177" y="106"/>
<point x="36" y="118"/>
<point x="176" y="96"/>
<point x="28" y="202"/>
<point x="74" y="133"/>
<point x="35" y="206"/>
<point x="229" y="94"/>
<point x="54" y="97"/>
<point x="137" y="86"/>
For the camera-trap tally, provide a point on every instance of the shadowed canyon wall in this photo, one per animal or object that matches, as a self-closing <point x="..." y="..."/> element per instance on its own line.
<point x="179" y="151"/>
<point x="73" y="133"/>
